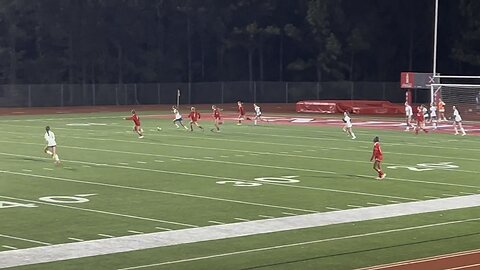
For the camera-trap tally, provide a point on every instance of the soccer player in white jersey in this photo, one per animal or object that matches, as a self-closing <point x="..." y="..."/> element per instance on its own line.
<point x="51" y="147"/>
<point x="408" y="116"/>
<point x="178" y="118"/>
<point x="348" y="125"/>
<point x="433" y="115"/>
<point x="258" y="114"/>
<point x="457" y="121"/>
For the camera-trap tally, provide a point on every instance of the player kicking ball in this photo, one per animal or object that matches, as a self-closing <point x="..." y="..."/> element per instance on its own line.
<point x="51" y="147"/>
<point x="377" y="157"/>
<point x="136" y="120"/>
<point x="348" y="125"/>
<point x="217" y="119"/>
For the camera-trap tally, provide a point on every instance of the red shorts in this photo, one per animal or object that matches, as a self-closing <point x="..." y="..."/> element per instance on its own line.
<point x="378" y="158"/>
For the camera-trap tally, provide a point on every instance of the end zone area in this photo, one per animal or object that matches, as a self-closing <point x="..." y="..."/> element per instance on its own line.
<point x="112" y="185"/>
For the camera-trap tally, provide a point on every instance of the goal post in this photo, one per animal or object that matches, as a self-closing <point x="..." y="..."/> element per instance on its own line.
<point x="460" y="91"/>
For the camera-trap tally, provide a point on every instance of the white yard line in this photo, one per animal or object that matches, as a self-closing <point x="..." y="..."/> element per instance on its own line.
<point x="241" y="219"/>
<point x="102" y="212"/>
<point x="105" y="235"/>
<point x="289" y="214"/>
<point x="354" y="206"/>
<point x="9" y="247"/>
<point x="160" y="191"/>
<point x="24" y="239"/>
<point x="376" y="204"/>
<point x="228" y="231"/>
<point x="135" y="232"/>
<point x="75" y="239"/>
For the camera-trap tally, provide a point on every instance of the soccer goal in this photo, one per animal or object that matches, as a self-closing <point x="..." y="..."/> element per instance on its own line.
<point x="460" y="91"/>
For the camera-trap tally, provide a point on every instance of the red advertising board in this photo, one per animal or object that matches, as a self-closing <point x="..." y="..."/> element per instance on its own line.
<point x="407" y="80"/>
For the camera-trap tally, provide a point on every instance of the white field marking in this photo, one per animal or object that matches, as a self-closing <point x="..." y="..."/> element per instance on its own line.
<point x="161" y="191"/>
<point x="224" y="156"/>
<point x="75" y="239"/>
<point x="105" y="235"/>
<point x="173" y="159"/>
<point x="123" y="163"/>
<point x="102" y="212"/>
<point x="163" y="229"/>
<point x="48" y="169"/>
<point x="300" y="244"/>
<point x="376" y="204"/>
<point x="289" y="214"/>
<point x="216" y="222"/>
<point x="431" y="197"/>
<point x="9" y="247"/>
<point x="141" y="162"/>
<point x="464" y="267"/>
<point x="25" y="239"/>
<point x="333" y="208"/>
<point x="229" y="178"/>
<point x="467" y="193"/>
<point x="86" y="166"/>
<point x="85" y="195"/>
<point x="393" y="201"/>
<point x="160" y="161"/>
<point x="208" y="157"/>
<point x="239" y="155"/>
<point x="421" y="260"/>
<point x="135" y="232"/>
<point x="354" y="206"/>
<point x="265" y="216"/>
<point x="26" y="170"/>
<point x="241" y="219"/>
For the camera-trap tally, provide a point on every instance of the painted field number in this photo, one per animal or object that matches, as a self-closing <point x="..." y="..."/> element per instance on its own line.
<point x="278" y="180"/>
<point x="5" y="204"/>
<point x="420" y="167"/>
<point x="81" y="198"/>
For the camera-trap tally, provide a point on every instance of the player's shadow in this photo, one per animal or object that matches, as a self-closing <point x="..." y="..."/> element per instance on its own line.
<point x="361" y="251"/>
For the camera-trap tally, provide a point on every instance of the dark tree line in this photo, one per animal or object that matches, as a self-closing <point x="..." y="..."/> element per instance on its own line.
<point x="119" y="41"/>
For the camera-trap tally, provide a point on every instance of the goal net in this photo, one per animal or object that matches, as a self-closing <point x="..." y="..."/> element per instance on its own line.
<point x="466" y="97"/>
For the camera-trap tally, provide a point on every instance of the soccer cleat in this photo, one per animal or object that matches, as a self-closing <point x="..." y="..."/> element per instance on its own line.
<point x="378" y="178"/>
<point x="464" y="134"/>
<point x="239" y="124"/>
<point x="141" y="137"/>
<point x="353" y="138"/>
<point x="383" y="176"/>
<point x="456" y="133"/>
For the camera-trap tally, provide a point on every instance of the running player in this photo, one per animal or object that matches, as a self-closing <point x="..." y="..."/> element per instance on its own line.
<point x="408" y="116"/>
<point x="51" y="147"/>
<point x="348" y="125"/>
<point x="194" y="117"/>
<point x="457" y="121"/>
<point x="136" y="120"/>
<point x="241" y="113"/>
<point x="178" y="118"/>
<point x="420" y="120"/>
<point x="217" y="118"/>
<point x="377" y="157"/>
<point x="433" y="115"/>
<point x="258" y="114"/>
<point x="441" y="110"/>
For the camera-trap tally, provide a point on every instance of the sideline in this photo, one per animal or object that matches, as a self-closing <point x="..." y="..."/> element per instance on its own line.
<point x="170" y="238"/>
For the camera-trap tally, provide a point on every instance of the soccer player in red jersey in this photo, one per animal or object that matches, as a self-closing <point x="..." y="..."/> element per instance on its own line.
<point x="241" y="112"/>
<point x="420" y="120"/>
<point x="377" y="155"/>
<point x="136" y="120"/>
<point x="217" y="118"/>
<point x="194" y="117"/>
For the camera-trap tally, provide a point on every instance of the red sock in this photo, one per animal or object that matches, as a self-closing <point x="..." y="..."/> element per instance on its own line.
<point x="380" y="173"/>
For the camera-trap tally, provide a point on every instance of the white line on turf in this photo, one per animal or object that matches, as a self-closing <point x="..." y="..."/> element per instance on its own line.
<point x="26" y="170"/>
<point x="393" y="201"/>
<point x="106" y="235"/>
<point x="289" y="214"/>
<point x="208" y="157"/>
<point x="333" y="208"/>
<point x="160" y="191"/>
<point x="24" y="239"/>
<point x="123" y="163"/>
<point x="216" y="222"/>
<point x="9" y="247"/>
<point x="299" y="244"/>
<point x="76" y="239"/>
<point x="135" y="232"/>
<point x="48" y="169"/>
<point x="160" y="161"/>
<point x="377" y="204"/>
<point x="141" y="162"/>
<point x="354" y="206"/>
<point x="103" y="212"/>
<point x="241" y="219"/>
<point x="224" y="156"/>
<point x="467" y="193"/>
<point x="431" y="197"/>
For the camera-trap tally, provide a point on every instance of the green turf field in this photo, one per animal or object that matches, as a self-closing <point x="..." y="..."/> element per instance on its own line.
<point x="112" y="184"/>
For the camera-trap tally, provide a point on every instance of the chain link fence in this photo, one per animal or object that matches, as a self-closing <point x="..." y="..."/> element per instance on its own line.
<point x="43" y="95"/>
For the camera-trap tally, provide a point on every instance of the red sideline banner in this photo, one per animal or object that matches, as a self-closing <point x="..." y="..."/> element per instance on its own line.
<point x="352" y="106"/>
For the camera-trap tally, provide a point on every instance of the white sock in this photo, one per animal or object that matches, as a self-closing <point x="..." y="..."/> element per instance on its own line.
<point x="255" y="121"/>
<point x="463" y="130"/>
<point x="353" y="135"/>
<point x="456" y="130"/>
<point x="56" y="157"/>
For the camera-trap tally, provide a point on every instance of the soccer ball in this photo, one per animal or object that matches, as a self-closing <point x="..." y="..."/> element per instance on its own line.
<point x="159" y="129"/>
